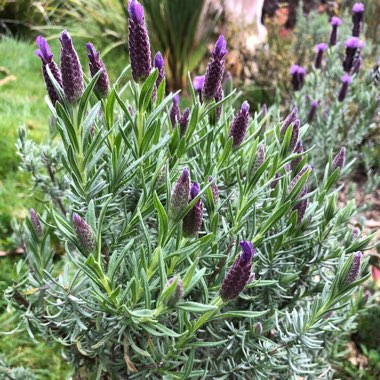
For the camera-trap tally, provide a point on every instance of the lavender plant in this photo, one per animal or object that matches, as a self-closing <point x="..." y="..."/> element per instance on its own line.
<point x="340" y="96"/>
<point x="196" y="253"/>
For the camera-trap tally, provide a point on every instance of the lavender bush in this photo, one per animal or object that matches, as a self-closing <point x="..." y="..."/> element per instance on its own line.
<point x="209" y="253"/>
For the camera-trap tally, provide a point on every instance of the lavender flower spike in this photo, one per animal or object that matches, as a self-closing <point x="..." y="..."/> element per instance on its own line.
<point x="177" y="294"/>
<point x="214" y="189"/>
<point x="46" y="56"/>
<point x="180" y="194"/>
<point x="138" y="42"/>
<point x="335" y="22"/>
<point x="239" y="125"/>
<point x="357" y="18"/>
<point x="313" y="110"/>
<point x="302" y="205"/>
<point x="198" y="83"/>
<point x="239" y="274"/>
<point x="298" y="176"/>
<point x="355" y="233"/>
<point x="192" y="222"/>
<point x="159" y="64"/>
<point x="298" y="74"/>
<point x="339" y="160"/>
<point x="72" y="74"/>
<point x="84" y="233"/>
<point x="175" y="112"/>
<point x="36" y="223"/>
<point x="102" y="86"/>
<point x="352" y="45"/>
<point x="260" y="157"/>
<point x="354" y="272"/>
<point x="291" y="118"/>
<point x="295" y="134"/>
<point x="215" y="69"/>
<point x="184" y="121"/>
<point x="320" y="49"/>
<point x="346" y="81"/>
<point x="298" y="149"/>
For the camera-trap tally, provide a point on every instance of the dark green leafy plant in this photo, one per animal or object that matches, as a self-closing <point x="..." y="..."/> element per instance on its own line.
<point x="138" y="299"/>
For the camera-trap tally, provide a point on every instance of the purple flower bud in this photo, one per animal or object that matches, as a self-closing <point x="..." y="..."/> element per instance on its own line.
<point x="260" y="157"/>
<point x="138" y="42"/>
<point x="214" y="189"/>
<point x="239" y="274"/>
<point x="198" y="83"/>
<point x="36" y="223"/>
<point x="355" y="233"/>
<point x="302" y="205"/>
<point x="72" y="74"/>
<point x="298" y="176"/>
<point x="339" y="160"/>
<point x="357" y="18"/>
<point x="354" y="272"/>
<point x="298" y="149"/>
<point x="319" y="49"/>
<point x="175" y="111"/>
<point x="218" y="98"/>
<point x="291" y="118"/>
<point x="178" y="293"/>
<point x="159" y="64"/>
<point x="239" y="125"/>
<point x="264" y="112"/>
<point x="180" y="194"/>
<point x="192" y="222"/>
<point x="184" y="121"/>
<point x="295" y="134"/>
<point x="346" y="80"/>
<point x="46" y="56"/>
<point x="258" y="329"/>
<point x="275" y="181"/>
<point x="298" y="74"/>
<point x="335" y="23"/>
<point x="352" y="45"/>
<point x="102" y="86"/>
<point x="215" y="70"/>
<point x="85" y="234"/>
<point x="313" y="110"/>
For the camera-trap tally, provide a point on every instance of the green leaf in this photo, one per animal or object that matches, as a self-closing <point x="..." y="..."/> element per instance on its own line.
<point x="195" y="307"/>
<point x="163" y="219"/>
<point x="147" y="91"/>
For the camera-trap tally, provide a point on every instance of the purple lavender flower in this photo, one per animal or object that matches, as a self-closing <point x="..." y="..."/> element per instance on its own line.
<point x="178" y="293"/>
<point x="357" y="18"/>
<point x="198" y="83"/>
<point x="72" y="74"/>
<point x="302" y="205"/>
<point x="102" y="86"/>
<point x="180" y="194"/>
<point x="159" y="64"/>
<point x="36" y="223"/>
<point x="215" y="70"/>
<point x="275" y="181"/>
<point x="291" y="118"/>
<point x="355" y="233"/>
<point x="313" y="110"/>
<point x="46" y="56"/>
<point x="298" y="149"/>
<point x="84" y="233"/>
<point x="175" y="112"/>
<point x="192" y="222"/>
<point x="339" y="160"/>
<point x="214" y="189"/>
<point x="298" y="176"/>
<point x="352" y="45"/>
<point x="239" y="274"/>
<point x="354" y="272"/>
<point x="260" y="157"/>
<point x="320" y="49"/>
<point x="346" y="81"/>
<point x="239" y="125"/>
<point x="264" y="112"/>
<point x="138" y="42"/>
<point x="335" y="22"/>
<point x="184" y="121"/>
<point x="298" y="74"/>
<point x="218" y="98"/>
<point x="295" y="134"/>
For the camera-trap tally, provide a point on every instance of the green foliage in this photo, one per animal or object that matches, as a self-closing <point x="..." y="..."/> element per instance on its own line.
<point x="108" y="308"/>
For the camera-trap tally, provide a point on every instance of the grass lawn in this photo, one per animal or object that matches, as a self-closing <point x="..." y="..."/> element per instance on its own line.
<point x="22" y="93"/>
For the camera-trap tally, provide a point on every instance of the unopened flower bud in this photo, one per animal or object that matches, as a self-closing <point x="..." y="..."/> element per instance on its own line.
<point x="239" y="274"/>
<point x="295" y="134"/>
<point x="291" y="118"/>
<point x="84" y="233"/>
<point x="346" y="81"/>
<point x="214" y="189"/>
<point x="36" y="223"/>
<point x="298" y="149"/>
<point x="298" y="176"/>
<point x="192" y="222"/>
<point x="178" y="293"/>
<point x="180" y="194"/>
<point x="298" y="74"/>
<point x="258" y="329"/>
<point x="355" y="233"/>
<point x="184" y="122"/>
<point x="175" y="113"/>
<point x="339" y="160"/>
<point x="239" y="125"/>
<point x="320" y="49"/>
<point x="354" y="272"/>
<point x="335" y="23"/>
<point x="260" y="157"/>
<point x="198" y="83"/>
<point x="159" y="64"/>
<point x="313" y="110"/>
